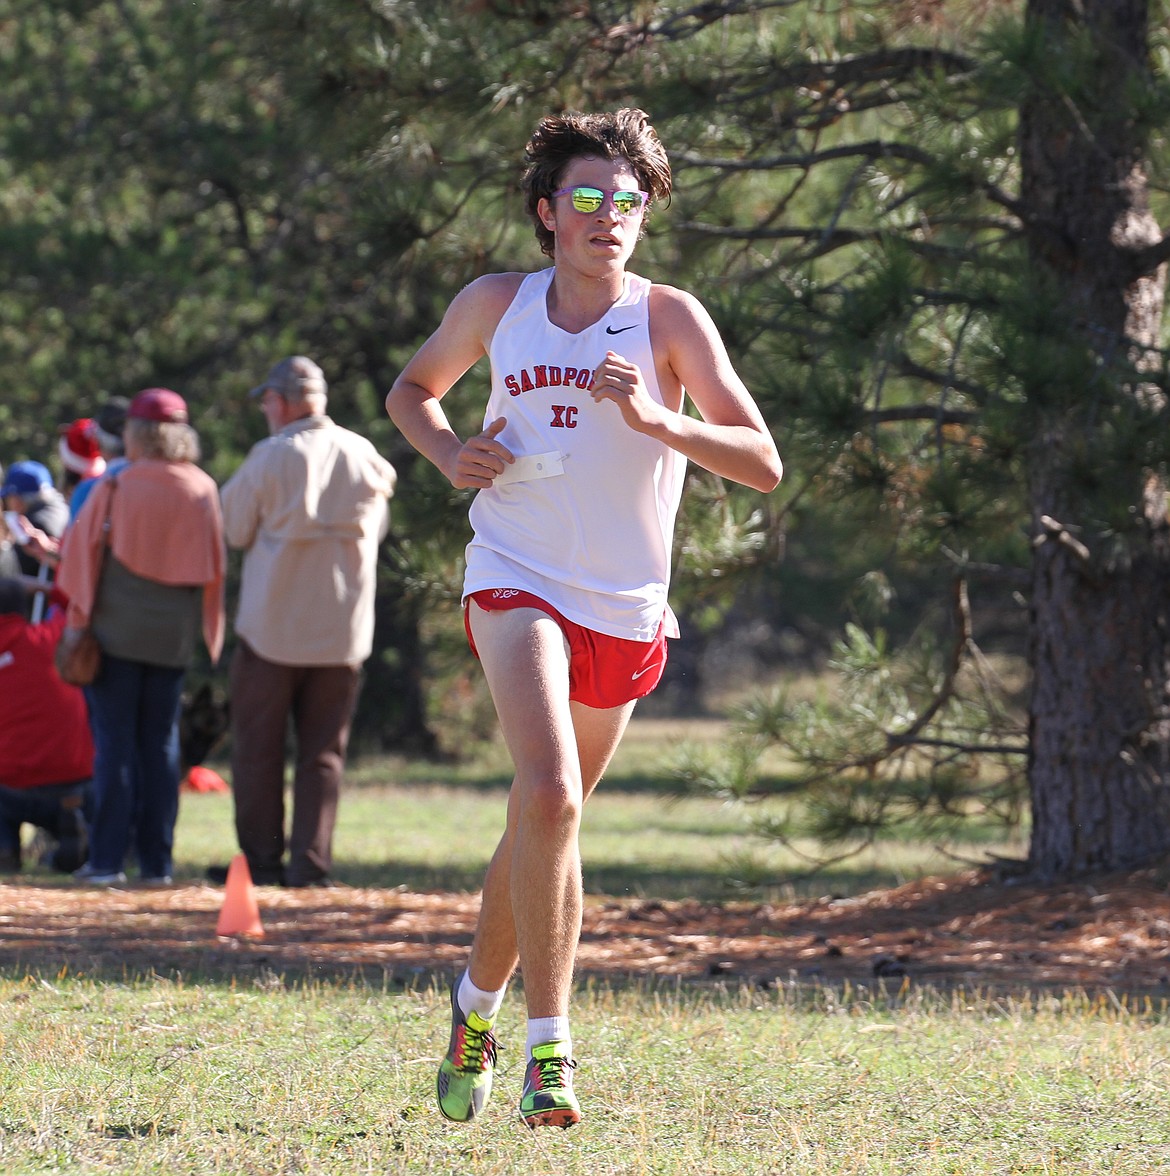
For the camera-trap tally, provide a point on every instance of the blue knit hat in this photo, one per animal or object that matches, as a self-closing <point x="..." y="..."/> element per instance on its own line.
<point x="26" y="477"/>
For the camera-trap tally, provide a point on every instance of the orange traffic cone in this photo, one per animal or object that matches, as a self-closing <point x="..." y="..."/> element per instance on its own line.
<point x="240" y="914"/>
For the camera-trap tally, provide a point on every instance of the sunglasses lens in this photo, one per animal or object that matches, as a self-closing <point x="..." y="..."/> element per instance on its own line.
<point x="587" y="199"/>
<point x="627" y="202"/>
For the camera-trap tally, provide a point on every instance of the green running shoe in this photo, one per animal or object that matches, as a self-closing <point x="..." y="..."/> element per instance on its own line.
<point x="465" y="1075"/>
<point x="548" y="1099"/>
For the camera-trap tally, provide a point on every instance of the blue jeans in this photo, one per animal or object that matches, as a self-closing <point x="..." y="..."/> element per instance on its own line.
<point x="134" y="712"/>
<point x="58" y="809"/>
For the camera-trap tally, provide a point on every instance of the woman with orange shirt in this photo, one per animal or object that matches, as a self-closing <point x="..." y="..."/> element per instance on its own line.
<point x="143" y="565"/>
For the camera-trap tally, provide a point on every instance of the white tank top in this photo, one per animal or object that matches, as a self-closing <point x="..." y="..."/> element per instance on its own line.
<point x="589" y="525"/>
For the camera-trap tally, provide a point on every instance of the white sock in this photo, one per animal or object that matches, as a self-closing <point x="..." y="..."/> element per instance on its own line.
<point x="478" y="1000"/>
<point x="544" y="1029"/>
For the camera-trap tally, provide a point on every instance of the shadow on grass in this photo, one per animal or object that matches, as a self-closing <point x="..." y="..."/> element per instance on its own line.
<point x="619" y="882"/>
<point x="651" y="783"/>
<point x="633" y="880"/>
<point x="660" y="779"/>
<point x="625" y="881"/>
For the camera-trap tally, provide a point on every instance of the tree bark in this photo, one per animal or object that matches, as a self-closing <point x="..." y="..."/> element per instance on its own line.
<point x="1100" y="716"/>
<point x="1099" y="757"/>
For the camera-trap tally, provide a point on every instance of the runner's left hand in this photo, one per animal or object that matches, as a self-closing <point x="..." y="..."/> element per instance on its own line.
<point x="619" y="380"/>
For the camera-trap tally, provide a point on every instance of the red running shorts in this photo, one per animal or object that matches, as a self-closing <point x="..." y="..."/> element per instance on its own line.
<point x="604" y="671"/>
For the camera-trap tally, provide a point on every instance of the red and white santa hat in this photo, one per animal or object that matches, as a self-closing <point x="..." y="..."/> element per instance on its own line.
<point x="79" y="450"/>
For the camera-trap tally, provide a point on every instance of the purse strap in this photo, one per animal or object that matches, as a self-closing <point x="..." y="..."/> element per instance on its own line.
<point x="106" y="528"/>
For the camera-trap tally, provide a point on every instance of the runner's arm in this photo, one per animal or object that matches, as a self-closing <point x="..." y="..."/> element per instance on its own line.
<point x="413" y="402"/>
<point x="732" y="439"/>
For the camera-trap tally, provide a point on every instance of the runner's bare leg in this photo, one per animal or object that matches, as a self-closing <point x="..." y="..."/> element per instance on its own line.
<point x="531" y="907"/>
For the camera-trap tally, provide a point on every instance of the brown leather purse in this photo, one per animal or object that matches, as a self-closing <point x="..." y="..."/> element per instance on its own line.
<point x="78" y="656"/>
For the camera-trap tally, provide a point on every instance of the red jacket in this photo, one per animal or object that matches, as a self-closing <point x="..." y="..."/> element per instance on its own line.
<point x="44" y="728"/>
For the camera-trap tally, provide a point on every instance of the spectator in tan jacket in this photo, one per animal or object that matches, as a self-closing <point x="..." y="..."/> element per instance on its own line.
<point x="308" y="507"/>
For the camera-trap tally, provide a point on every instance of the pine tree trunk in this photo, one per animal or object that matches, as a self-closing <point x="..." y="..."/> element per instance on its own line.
<point x="1099" y="758"/>
<point x="1099" y="768"/>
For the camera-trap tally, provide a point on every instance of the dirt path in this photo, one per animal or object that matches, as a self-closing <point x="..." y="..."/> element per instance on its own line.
<point x="1110" y="932"/>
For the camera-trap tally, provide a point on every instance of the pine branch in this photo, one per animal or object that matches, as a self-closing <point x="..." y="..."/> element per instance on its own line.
<point x="1142" y="263"/>
<point x="962" y="613"/>
<point x="909" y="367"/>
<point x="921" y="412"/>
<point x="872" y="150"/>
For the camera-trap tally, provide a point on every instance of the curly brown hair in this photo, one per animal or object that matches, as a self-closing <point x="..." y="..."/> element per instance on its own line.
<point x="561" y="138"/>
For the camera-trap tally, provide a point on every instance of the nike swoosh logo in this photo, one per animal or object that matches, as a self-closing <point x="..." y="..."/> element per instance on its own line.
<point x="619" y="330"/>
<point x="643" y="670"/>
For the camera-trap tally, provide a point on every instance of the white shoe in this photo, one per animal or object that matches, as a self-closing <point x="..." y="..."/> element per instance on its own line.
<point x="91" y="877"/>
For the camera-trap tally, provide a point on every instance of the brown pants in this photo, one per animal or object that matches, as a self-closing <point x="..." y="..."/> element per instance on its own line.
<point x="320" y="702"/>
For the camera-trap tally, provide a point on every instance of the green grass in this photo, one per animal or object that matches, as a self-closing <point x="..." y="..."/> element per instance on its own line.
<point x="273" y="1076"/>
<point x="160" y="1077"/>
<point x="433" y="827"/>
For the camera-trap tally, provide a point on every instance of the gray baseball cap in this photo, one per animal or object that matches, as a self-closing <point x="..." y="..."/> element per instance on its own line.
<point x="292" y="378"/>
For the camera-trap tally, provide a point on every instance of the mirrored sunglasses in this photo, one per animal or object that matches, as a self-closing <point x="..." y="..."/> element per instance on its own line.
<point x="625" y="203"/>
